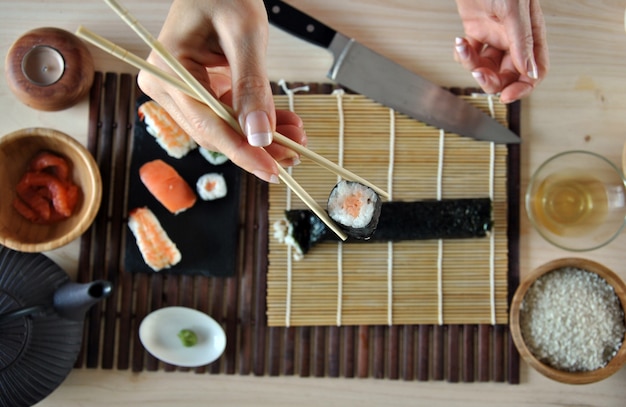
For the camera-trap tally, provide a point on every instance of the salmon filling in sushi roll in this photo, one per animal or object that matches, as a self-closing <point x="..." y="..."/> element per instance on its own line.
<point x="355" y="207"/>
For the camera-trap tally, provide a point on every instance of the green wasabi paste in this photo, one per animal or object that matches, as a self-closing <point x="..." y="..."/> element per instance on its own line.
<point x="188" y="337"/>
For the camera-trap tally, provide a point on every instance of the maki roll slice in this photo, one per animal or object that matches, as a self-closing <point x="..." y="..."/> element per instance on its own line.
<point x="211" y="186"/>
<point x="213" y="157"/>
<point x="355" y="208"/>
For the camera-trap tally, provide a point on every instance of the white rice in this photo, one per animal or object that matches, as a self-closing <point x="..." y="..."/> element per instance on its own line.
<point x="572" y="320"/>
<point x="336" y="204"/>
<point x="283" y="233"/>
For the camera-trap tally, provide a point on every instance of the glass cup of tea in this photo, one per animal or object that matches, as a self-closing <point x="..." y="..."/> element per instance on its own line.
<point x="577" y="200"/>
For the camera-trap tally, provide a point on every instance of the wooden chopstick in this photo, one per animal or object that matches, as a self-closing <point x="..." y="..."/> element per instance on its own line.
<point x="142" y="64"/>
<point x="132" y="59"/>
<point x="218" y="108"/>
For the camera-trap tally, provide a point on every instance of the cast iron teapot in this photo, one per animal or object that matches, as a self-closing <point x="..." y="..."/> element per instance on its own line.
<point x="41" y="325"/>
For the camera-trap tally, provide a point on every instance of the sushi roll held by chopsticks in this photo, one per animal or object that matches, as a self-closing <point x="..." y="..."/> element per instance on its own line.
<point x="355" y="207"/>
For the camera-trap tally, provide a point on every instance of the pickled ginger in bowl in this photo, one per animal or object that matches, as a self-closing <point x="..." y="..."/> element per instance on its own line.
<point x="50" y="201"/>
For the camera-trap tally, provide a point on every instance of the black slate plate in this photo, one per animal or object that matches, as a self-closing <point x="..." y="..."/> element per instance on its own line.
<point x="207" y="233"/>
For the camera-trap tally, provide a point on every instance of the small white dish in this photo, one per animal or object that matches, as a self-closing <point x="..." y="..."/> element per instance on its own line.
<point x="159" y="330"/>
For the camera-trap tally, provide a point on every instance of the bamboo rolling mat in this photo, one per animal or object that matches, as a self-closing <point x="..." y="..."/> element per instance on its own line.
<point x="451" y="352"/>
<point x="462" y="281"/>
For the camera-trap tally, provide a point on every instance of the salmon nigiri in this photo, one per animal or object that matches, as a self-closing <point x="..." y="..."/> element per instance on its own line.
<point x="167" y="186"/>
<point x="156" y="247"/>
<point x="160" y="125"/>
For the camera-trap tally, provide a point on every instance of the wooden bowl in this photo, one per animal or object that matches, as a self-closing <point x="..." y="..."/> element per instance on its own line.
<point x="16" y="151"/>
<point x="560" y="375"/>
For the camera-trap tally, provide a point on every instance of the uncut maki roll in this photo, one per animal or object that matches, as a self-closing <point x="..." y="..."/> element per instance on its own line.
<point x="355" y="207"/>
<point x="462" y="218"/>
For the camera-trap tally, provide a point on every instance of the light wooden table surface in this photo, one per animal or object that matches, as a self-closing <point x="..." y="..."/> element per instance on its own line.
<point x="581" y="105"/>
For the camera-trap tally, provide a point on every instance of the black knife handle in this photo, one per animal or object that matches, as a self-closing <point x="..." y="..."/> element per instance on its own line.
<point x="297" y="23"/>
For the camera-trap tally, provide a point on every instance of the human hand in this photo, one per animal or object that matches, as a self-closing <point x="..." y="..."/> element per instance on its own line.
<point x="223" y="44"/>
<point x="505" y="46"/>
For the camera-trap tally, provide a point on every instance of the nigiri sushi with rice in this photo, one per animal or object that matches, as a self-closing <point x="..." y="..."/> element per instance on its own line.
<point x="168" y="134"/>
<point x="211" y="186"/>
<point x="355" y="207"/>
<point x="156" y="247"/>
<point x="167" y="186"/>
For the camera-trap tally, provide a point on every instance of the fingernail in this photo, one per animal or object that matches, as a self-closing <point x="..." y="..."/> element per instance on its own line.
<point x="305" y="139"/>
<point x="295" y="161"/>
<point x="461" y="48"/>
<point x="258" y="129"/>
<point x="266" y="176"/>
<point x="479" y="76"/>
<point x="531" y="67"/>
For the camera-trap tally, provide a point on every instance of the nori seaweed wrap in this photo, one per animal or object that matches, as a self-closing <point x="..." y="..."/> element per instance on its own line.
<point x="416" y="220"/>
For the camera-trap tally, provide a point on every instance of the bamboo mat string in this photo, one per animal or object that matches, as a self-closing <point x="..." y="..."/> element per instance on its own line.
<point x="291" y="92"/>
<point x="339" y="282"/>
<point x="290" y="97"/>
<point x="339" y="93"/>
<point x="492" y="239"/>
<point x="492" y="235"/>
<point x="442" y="136"/>
<point x="392" y="145"/>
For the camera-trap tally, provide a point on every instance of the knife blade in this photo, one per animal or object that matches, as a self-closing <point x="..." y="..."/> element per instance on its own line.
<point x="369" y="73"/>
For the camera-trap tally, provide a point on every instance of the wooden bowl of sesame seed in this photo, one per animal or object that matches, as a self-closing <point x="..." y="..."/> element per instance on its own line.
<point x="567" y="321"/>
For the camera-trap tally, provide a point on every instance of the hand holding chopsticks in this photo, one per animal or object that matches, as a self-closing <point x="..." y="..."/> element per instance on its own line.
<point x="190" y="85"/>
<point x="142" y="64"/>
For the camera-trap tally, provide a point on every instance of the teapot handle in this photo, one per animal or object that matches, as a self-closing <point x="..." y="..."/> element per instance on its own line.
<point x="20" y="312"/>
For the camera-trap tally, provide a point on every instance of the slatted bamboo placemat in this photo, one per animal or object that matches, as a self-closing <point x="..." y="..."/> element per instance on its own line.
<point x="450" y="352"/>
<point x="420" y="282"/>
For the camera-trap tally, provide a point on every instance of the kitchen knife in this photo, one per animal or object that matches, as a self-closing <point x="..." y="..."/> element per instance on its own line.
<point x="362" y="70"/>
